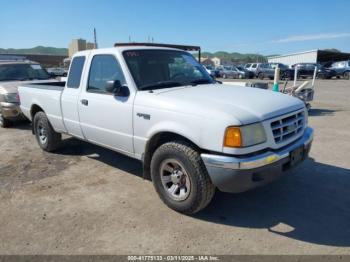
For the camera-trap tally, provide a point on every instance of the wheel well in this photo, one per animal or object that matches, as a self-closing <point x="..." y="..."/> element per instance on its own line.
<point x="156" y="141"/>
<point x="35" y="109"/>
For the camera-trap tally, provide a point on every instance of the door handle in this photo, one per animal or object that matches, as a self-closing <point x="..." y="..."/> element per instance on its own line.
<point x="85" y="102"/>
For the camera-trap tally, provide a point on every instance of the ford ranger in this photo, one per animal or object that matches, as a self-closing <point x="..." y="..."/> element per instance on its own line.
<point x="159" y="105"/>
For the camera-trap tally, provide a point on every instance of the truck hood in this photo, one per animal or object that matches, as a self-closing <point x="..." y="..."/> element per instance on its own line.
<point x="12" y="86"/>
<point x="245" y="104"/>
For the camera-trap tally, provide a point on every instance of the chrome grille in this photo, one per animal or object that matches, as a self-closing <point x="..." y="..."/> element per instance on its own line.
<point x="287" y="127"/>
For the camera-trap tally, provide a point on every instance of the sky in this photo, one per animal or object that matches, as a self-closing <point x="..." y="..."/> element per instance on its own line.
<point x="265" y="27"/>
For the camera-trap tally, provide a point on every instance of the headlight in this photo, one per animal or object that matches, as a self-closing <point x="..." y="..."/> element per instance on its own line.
<point x="11" y="98"/>
<point x="244" y="136"/>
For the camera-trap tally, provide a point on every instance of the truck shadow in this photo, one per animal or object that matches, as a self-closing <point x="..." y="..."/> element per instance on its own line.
<point x="322" y="112"/>
<point x="74" y="147"/>
<point x="310" y="203"/>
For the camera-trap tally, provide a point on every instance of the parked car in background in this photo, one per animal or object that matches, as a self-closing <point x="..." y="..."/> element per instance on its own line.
<point x="235" y="72"/>
<point x="267" y="70"/>
<point x="342" y="69"/>
<point x="229" y="72"/>
<point x="244" y="72"/>
<point x="252" y="67"/>
<point x="306" y="70"/>
<point x="191" y="133"/>
<point x="12" y="74"/>
<point x="57" y="71"/>
<point x="212" y="71"/>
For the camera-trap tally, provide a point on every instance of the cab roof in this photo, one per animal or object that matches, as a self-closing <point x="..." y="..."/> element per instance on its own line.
<point x="145" y="46"/>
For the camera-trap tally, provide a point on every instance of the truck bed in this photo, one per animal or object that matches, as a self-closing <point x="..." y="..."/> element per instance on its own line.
<point x="48" y="85"/>
<point x="47" y="96"/>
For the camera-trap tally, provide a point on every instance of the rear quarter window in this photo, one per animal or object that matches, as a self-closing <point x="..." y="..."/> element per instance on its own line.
<point x="75" y="72"/>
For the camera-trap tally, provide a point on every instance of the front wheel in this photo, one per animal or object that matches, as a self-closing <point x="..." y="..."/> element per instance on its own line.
<point x="180" y="178"/>
<point x="48" y="139"/>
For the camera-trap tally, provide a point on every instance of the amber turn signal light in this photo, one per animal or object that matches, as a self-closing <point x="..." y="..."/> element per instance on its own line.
<point x="233" y="137"/>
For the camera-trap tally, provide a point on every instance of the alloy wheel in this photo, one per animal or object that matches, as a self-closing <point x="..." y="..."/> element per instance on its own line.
<point x="175" y="180"/>
<point x="42" y="133"/>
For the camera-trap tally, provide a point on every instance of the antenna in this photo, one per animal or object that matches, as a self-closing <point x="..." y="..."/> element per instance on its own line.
<point x="95" y="38"/>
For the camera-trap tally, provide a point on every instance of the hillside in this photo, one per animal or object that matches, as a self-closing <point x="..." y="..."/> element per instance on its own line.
<point x="38" y="50"/>
<point x="236" y="57"/>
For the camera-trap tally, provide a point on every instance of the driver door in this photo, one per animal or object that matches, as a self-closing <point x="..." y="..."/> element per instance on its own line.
<point x="106" y="119"/>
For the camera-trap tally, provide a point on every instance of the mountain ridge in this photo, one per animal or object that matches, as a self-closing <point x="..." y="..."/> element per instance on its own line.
<point x="38" y="50"/>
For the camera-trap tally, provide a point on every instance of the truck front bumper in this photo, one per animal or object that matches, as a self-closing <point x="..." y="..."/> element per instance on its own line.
<point x="239" y="174"/>
<point x="11" y="111"/>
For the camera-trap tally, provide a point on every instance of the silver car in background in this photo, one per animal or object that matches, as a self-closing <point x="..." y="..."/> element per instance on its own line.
<point x="12" y="74"/>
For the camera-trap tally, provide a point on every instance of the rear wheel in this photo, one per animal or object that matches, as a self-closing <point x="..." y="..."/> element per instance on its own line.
<point x="48" y="139"/>
<point x="261" y="76"/>
<point x="180" y="178"/>
<point x="346" y="75"/>
<point x="3" y="121"/>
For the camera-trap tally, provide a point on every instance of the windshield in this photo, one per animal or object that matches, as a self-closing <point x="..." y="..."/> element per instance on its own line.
<point x="22" y="72"/>
<point x="153" y="69"/>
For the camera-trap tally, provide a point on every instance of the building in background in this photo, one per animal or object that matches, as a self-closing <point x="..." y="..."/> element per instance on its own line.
<point x="222" y="61"/>
<point x="90" y="46"/>
<point x="207" y="61"/>
<point x="325" y="57"/>
<point x="77" y="45"/>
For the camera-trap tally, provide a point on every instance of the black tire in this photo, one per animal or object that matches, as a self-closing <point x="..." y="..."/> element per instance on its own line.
<point x="201" y="188"/>
<point x="41" y="125"/>
<point x="3" y="121"/>
<point x="261" y="76"/>
<point x="346" y="75"/>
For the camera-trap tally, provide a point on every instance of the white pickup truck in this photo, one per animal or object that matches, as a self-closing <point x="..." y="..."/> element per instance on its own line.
<point x="159" y="105"/>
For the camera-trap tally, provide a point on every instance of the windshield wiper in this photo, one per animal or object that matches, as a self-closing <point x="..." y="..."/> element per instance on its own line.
<point x="201" y="81"/>
<point x="159" y="85"/>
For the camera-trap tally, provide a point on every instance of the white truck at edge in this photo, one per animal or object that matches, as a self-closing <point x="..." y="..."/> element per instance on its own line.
<point x="160" y="106"/>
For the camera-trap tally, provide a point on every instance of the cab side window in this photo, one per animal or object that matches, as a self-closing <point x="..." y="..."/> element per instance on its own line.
<point x="75" y="72"/>
<point x="104" y="68"/>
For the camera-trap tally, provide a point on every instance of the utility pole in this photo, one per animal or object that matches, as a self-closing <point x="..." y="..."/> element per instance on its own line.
<point x="95" y="38"/>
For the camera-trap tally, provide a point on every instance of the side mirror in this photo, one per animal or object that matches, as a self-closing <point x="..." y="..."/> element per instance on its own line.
<point x="116" y="88"/>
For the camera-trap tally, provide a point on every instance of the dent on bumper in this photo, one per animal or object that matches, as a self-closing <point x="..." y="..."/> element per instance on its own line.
<point x="238" y="174"/>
